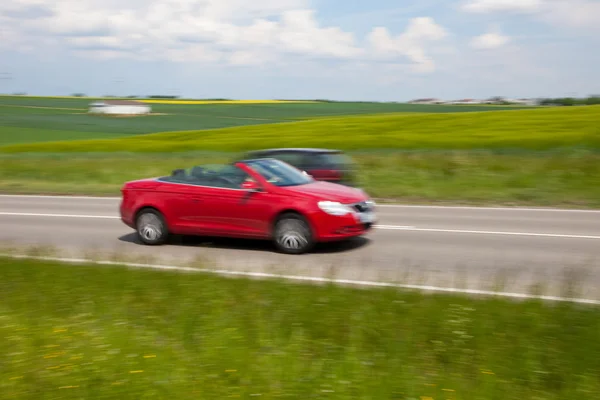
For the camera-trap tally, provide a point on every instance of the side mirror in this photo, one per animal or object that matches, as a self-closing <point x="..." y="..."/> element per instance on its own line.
<point x="251" y="186"/>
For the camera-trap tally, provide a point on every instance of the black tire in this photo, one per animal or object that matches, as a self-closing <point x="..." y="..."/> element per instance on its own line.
<point x="292" y="234"/>
<point x="151" y="227"/>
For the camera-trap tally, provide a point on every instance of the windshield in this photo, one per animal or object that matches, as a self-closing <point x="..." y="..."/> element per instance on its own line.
<point x="279" y="173"/>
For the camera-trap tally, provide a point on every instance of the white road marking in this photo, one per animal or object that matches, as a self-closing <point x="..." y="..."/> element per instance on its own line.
<point x="36" y="196"/>
<point x="560" y="235"/>
<point x="21" y="214"/>
<point x="379" y="205"/>
<point x="309" y="279"/>
<point x="382" y="227"/>
<point x="476" y="208"/>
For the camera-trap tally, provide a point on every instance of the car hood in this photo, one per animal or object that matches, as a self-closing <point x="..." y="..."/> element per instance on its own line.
<point x="329" y="191"/>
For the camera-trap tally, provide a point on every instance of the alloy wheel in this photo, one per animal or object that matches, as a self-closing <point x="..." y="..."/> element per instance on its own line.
<point x="151" y="228"/>
<point x="293" y="236"/>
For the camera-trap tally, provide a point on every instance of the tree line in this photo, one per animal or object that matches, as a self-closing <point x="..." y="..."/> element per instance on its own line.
<point x="571" y="101"/>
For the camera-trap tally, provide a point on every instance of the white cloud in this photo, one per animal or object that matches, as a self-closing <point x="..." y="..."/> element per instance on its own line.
<point x="410" y="44"/>
<point x="235" y="32"/>
<point x="300" y="33"/>
<point x="489" y="41"/>
<point x="490" y="6"/>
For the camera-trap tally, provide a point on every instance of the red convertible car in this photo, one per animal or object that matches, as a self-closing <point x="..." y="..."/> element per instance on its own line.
<point x="258" y="198"/>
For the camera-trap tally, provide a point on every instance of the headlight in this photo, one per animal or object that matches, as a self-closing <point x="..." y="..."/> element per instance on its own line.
<point x="371" y="203"/>
<point x="334" y="208"/>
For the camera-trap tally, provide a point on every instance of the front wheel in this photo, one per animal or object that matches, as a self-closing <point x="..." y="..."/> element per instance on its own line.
<point x="151" y="227"/>
<point x="293" y="235"/>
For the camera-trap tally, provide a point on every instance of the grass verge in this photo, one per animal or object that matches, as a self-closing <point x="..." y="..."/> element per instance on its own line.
<point x="567" y="179"/>
<point x="110" y="332"/>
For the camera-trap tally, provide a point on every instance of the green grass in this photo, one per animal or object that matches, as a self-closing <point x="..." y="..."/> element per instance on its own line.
<point x="75" y="332"/>
<point x="568" y="179"/>
<point x="538" y="129"/>
<point x="36" y="135"/>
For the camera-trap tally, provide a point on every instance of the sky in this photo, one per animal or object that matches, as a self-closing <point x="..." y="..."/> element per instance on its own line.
<point x="376" y="50"/>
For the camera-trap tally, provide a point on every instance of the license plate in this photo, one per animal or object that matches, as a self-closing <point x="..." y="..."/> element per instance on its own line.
<point x="367" y="217"/>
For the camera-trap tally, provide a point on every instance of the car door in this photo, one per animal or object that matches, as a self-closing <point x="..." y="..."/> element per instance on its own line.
<point x="193" y="201"/>
<point x="223" y="208"/>
<point x="227" y="212"/>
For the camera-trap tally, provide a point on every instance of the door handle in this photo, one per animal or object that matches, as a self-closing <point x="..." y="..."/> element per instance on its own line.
<point x="196" y="199"/>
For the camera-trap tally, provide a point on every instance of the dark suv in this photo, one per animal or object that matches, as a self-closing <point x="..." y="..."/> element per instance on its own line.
<point x="323" y="164"/>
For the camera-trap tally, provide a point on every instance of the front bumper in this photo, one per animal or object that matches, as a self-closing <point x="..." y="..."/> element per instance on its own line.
<point x="332" y="228"/>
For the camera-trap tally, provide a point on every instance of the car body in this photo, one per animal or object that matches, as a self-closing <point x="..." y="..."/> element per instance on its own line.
<point x="323" y="164"/>
<point x="257" y="198"/>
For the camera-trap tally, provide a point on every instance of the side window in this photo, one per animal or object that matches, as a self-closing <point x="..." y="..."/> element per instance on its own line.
<point x="294" y="159"/>
<point x="317" y="161"/>
<point x="230" y="177"/>
<point x="222" y="176"/>
<point x="179" y="176"/>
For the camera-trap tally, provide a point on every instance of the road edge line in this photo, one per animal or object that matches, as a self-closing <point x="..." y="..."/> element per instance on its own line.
<point x="304" y="278"/>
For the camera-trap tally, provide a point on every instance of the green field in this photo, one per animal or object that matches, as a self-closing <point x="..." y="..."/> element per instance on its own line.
<point x="533" y="130"/>
<point x="36" y="119"/>
<point x="545" y="156"/>
<point x="30" y="125"/>
<point x="74" y="332"/>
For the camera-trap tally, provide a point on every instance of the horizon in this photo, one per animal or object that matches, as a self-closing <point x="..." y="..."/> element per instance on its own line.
<point x="167" y="99"/>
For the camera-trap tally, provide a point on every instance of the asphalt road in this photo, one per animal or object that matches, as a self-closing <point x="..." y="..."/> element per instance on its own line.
<point x="443" y="246"/>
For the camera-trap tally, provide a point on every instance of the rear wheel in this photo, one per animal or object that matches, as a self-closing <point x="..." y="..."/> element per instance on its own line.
<point x="151" y="227"/>
<point x="292" y="234"/>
